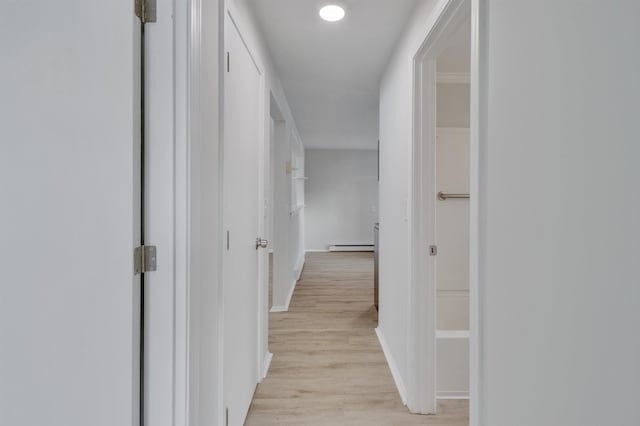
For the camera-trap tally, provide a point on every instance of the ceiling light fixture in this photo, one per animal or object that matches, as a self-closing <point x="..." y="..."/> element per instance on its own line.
<point x="332" y="13"/>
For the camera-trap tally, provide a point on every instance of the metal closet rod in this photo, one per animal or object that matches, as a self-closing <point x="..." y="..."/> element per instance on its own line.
<point x="442" y="196"/>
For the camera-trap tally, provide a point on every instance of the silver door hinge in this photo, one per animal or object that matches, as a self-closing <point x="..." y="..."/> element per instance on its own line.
<point x="226" y="422"/>
<point x="144" y="259"/>
<point x="228" y="62"/>
<point x="433" y="250"/>
<point x="146" y="10"/>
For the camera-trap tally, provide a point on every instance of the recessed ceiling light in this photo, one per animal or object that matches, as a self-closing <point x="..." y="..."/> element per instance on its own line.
<point x="332" y="13"/>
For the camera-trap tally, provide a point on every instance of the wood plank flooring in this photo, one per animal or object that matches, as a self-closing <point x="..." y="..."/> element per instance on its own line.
<point x="328" y="368"/>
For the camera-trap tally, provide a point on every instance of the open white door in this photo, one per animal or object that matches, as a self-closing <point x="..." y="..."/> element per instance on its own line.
<point x="68" y="172"/>
<point x="241" y="218"/>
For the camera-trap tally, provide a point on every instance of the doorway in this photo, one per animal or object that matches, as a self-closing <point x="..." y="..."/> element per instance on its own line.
<point x="444" y="340"/>
<point x="279" y="210"/>
<point x="273" y="262"/>
<point x="452" y="216"/>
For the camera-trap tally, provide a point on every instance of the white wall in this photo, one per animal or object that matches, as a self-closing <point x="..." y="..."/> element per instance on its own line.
<point x="558" y="223"/>
<point x="453" y="105"/>
<point x="298" y="211"/>
<point x="341" y="197"/>
<point x="559" y="209"/>
<point x="289" y="215"/>
<point x="395" y="188"/>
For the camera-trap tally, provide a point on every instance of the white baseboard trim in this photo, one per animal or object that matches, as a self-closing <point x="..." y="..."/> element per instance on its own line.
<point x="299" y="267"/>
<point x="453" y="294"/>
<point x="285" y="308"/>
<point x="348" y="248"/>
<point x="402" y="390"/>
<point x="453" y="77"/>
<point x="452" y="395"/>
<point x="297" y="273"/>
<point x="452" y="334"/>
<point x="266" y="363"/>
<point x="317" y="251"/>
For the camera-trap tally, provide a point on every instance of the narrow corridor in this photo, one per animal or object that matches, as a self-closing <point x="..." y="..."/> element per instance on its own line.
<point x="328" y="368"/>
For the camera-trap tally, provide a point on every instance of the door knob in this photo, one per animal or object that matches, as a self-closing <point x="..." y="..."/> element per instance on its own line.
<point x="260" y="243"/>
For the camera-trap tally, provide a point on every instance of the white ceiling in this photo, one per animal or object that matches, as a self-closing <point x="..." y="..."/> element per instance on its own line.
<point x="331" y="71"/>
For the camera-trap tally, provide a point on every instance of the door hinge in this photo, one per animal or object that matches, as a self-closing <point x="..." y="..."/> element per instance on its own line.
<point x="146" y="10"/>
<point x="144" y="259"/>
<point x="228" y="62"/>
<point x="226" y="422"/>
<point x="433" y="250"/>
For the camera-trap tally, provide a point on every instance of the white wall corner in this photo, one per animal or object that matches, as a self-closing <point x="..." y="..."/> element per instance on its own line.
<point x="453" y="395"/>
<point x="285" y="307"/>
<point x="393" y="366"/>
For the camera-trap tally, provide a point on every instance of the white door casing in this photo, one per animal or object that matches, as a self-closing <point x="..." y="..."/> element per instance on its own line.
<point x="161" y="286"/>
<point x="241" y="216"/>
<point x="69" y="131"/>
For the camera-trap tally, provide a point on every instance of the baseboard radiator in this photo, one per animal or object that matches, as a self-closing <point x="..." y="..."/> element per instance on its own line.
<point x="351" y="247"/>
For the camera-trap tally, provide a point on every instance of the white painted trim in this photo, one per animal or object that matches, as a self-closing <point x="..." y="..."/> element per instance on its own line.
<point x="266" y="363"/>
<point x="452" y="334"/>
<point x="477" y="138"/>
<point x="453" y="130"/>
<point x="184" y="46"/>
<point x="285" y="308"/>
<point x="317" y="251"/>
<point x="454" y="78"/>
<point x="298" y="269"/>
<point x="453" y="294"/>
<point x="220" y="228"/>
<point x="421" y="347"/>
<point x="352" y="243"/>
<point x="351" y="248"/>
<point x="393" y="366"/>
<point x="452" y="395"/>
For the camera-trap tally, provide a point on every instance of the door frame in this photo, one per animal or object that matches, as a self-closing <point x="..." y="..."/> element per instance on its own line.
<point x="276" y="122"/>
<point x="196" y="249"/>
<point x="448" y="15"/>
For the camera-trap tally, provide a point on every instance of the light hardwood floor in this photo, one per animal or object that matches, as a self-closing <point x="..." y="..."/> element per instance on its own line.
<point x="328" y="368"/>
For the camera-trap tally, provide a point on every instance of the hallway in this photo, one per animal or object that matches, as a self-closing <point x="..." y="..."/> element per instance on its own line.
<point x="328" y="368"/>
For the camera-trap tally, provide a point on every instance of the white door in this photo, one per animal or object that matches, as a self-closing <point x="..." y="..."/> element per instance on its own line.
<point x="68" y="213"/>
<point x="241" y="216"/>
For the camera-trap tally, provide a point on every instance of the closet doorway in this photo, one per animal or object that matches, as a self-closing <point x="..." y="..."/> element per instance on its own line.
<point x="442" y="339"/>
